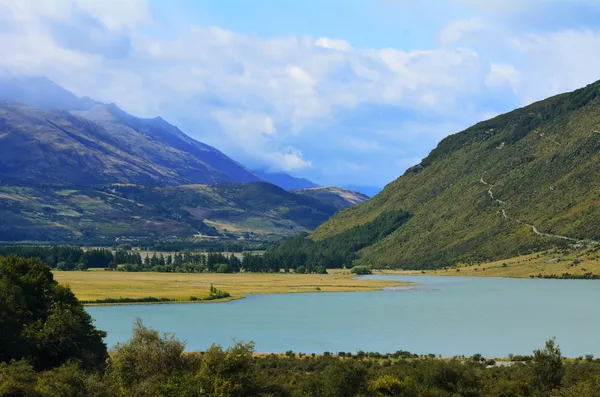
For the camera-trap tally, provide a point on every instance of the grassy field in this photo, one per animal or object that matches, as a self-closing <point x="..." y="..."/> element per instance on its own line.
<point x="549" y="262"/>
<point x="94" y="285"/>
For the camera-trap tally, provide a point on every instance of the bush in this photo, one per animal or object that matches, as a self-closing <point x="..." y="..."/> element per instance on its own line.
<point x="223" y="268"/>
<point x="300" y="270"/>
<point x="361" y="270"/>
<point x="43" y="321"/>
<point x="17" y="378"/>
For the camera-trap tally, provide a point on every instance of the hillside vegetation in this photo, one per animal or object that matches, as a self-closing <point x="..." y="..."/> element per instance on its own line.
<point x="526" y="180"/>
<point x="133" y="213"/>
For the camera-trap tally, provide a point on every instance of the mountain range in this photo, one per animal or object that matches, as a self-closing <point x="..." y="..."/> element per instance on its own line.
<point x="73" y="168"/>
<point x="520" y="182"/>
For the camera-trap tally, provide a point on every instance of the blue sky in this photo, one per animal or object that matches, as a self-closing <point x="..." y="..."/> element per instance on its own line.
<point x="341" y="92"/>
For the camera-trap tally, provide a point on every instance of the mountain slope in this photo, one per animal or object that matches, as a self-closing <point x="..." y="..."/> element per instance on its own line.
<point x="105" y="214"/>
<point x="341" y="198"/>
<point x="522" y="181"/>
<point x="55" y="147"/>
<point x="284" y="180"/>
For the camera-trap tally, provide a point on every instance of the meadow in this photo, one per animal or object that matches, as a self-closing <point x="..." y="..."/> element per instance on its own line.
<point x="100" y="284"/>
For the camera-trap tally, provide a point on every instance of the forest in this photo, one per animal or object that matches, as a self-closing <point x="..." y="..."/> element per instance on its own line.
<point x="49" y="347"/>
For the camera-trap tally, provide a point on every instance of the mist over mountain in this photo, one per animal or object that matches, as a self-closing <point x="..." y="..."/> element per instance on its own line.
<point x="40" y="92"/>
<point x="50" y="136"/>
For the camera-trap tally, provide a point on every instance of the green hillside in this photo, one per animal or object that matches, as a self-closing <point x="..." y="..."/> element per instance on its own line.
<point x="134" y="213"/>
<point x="522" y="181"/>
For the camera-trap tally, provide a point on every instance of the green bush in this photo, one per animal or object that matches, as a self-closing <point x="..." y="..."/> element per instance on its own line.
<point x="43" y="321"/>
<point x="361" y="270"/>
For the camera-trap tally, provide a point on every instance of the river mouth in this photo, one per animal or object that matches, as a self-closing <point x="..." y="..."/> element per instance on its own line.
<point x="445" y="316"/>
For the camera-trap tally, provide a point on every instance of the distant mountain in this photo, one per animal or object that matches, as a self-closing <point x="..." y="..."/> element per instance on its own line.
<point x="132" y="213"/>
<point x="337" y="196"/>
<point x="76" y="170"/>
<point x="284" y="180"/>
<point x="40" y="92"/>
<point x="367" y="190"/>
<point x="57" y="147"/>
<point x="520" y="182"/>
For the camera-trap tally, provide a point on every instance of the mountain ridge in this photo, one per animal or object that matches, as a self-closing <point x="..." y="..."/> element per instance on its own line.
<point x="539" y="161"/>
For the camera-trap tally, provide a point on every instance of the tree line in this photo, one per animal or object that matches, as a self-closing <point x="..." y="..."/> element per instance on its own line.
<point x="67" y="257"/>
<point x="312" y="256"/>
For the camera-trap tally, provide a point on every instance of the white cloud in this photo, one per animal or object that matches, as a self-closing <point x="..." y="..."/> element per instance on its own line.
<point x="557" y="62"/>
<point x="341" y="45"/>
<point x="501" y="74"/>
<point x="259" y="98"/>
<point x="456" y="30"/>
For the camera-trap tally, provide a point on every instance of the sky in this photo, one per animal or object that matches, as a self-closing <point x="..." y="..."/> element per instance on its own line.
<point x="343" y="92"/>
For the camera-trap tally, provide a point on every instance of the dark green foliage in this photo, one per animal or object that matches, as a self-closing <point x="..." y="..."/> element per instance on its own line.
<point x="42" y="321"/>
<point x="17" y="379"/>
<point x="337" y="251"/>
<point x="217" y="294"/>
<point x="73" y="258"/>
<point x="361" y="270"/>
<point x="548" y="367"/>
<point x="154" y="364"/>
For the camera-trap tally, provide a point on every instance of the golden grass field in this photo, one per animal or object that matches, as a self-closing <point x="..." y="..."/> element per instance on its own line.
<point x="94" y="285"/>
<point x="546" y="263"/>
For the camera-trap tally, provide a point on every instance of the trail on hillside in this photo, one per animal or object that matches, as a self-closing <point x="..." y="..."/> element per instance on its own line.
<point x="532" y="227"/>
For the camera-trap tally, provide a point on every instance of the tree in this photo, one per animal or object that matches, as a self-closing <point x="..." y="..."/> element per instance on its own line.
<point x="42" y="321"/>
<point x="548" y="369"/>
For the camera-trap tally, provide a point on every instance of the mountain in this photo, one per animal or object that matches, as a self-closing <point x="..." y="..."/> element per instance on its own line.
<point x="104" y="145"/>
<point x="50" y="135"/>
<point x="40" y="92"/>
<point x="366" y="190"/>
<point x="133" y="213"/>
<point x="79" y="171"/>
<point x="523" y="181"/>
<point x="284" y="180"/>
<point x="339" y="197"/>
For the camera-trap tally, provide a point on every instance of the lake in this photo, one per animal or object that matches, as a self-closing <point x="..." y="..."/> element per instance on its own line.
<point x="442" y="315"/>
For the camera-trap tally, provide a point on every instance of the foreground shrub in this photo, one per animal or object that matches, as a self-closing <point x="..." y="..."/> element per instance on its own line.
<point x="147" y="363"/>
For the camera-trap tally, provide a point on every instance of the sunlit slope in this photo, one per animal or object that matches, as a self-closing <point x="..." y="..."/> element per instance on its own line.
<point x="481" y="193"/>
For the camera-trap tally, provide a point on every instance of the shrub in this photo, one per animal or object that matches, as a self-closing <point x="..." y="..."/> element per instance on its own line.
<point x="43" y="321"/>
<point x="361" y="270"/>
<point x="223" y="268"/>
<point x="300" y="270"/>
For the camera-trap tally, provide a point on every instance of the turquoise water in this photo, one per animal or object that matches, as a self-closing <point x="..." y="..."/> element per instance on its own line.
<point x="443" y="315"/>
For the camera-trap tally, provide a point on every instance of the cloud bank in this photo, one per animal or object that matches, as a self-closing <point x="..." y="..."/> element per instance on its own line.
<point x="313" y="105"/>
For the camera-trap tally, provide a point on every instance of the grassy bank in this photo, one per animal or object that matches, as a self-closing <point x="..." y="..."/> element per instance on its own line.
<point x="97" y="285"/>
<point x="554" y="262"/>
